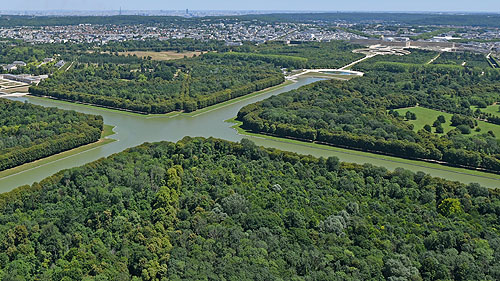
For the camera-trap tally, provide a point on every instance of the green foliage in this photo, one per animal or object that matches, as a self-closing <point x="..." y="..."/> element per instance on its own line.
<point x="449" y="207"/>
<point x="334" y="54"/>
<point x="410" y="115"/>
<point x="30" y="132"/>
<point x="360" y="114"/>
<point x="470" y="59"/>
<point x="278" y="60"/>
<point x="464" y="129"/>
<point x="207" y="209"/>
<point x="147" y="86"/>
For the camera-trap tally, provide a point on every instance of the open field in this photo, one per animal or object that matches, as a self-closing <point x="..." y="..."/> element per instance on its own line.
<point x="107" y="131"/>
<point x="492" y="109"/>
<point x="428" y="116"/>
<point x="162" y="56"/>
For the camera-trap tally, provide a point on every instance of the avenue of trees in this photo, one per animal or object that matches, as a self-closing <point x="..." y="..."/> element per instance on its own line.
<point x="148" y="86"/>
<point x="334" y="54"/>
<point x="354" y="114"/>
<point x="207" y="209"/>
<point x="470" y="59"/>
<point x="101" y="77"/>
<point x="416" y="56"/>
<point x="30" y="132"/>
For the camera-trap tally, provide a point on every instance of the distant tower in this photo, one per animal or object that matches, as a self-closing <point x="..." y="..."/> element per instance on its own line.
<point x="120" y="11"/>
<point x="187" y="11"/>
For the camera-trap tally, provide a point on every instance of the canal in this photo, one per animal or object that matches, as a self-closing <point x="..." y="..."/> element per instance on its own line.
<point x="132" y="130"/>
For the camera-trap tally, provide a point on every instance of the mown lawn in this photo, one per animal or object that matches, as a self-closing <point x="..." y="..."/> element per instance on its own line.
<point x="493" y="109"/>
<point x="428" y="116"/>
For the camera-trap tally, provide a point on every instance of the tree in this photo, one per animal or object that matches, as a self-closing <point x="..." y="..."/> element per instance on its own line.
<point x="428" y="128"/>
<point x="235" y="204"/>
<point x="410" y="116"/>
<point x="450" y="207"/>
<point x="400" y="268"/>
<point x="464" y="129"/>
<point x="333" y="224"/>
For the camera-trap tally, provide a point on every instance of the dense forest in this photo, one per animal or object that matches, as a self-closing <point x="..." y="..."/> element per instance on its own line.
<point x="417" y="19"/>
<point x="354" y="114"/>
<point x="147" y="86"/>
<point x="464" y="59"/>
<point x="30" y="132"/>
<point x="334" y="54"/>
<point x="207" y="209"/>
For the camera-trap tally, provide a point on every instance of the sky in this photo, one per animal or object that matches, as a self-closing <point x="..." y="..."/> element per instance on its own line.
<point x="288" y="5"/>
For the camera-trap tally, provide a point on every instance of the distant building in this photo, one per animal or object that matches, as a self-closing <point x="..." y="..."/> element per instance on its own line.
<point x="19" y="63"/>
<point x="47" y="60"/>
<point x="234" y="44"/>
<point x="10" y="67"/>
<point x="25" y="78"/>
<point x="60" y="63"/>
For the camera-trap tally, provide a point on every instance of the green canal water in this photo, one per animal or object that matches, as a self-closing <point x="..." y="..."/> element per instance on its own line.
<point x="132" y="130"/>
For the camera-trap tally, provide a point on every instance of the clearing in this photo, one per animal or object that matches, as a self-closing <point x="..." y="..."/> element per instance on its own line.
<point x="427" y="116"/>
<point x="492" y="109"/>
<point x="161" y="56"/>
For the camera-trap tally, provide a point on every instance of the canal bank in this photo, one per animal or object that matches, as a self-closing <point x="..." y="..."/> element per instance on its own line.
<point x="133" y="129"/>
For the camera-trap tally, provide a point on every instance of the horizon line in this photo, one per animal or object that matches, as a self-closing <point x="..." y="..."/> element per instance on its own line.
<point x="256" y="10"/>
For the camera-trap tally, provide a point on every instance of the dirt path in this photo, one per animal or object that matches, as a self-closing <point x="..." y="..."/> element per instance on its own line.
<point x="434" y="59"/>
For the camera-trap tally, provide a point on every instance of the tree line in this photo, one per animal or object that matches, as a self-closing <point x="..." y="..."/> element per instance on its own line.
<point x="147" y="86"/>
<point x="30" y="132"/>
<point x="354" y="114"/>
<point x="215" y="210"/>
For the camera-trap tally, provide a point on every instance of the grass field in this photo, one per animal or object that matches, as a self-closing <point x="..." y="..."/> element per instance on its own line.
<point x="428" y="116"/>
<point x="161" y="56"/>
<point x="493" y="109"/>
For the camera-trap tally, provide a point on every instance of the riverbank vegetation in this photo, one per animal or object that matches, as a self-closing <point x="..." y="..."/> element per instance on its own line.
<point x="188" y="84"/>
<point x="207" y="208"/>
<point x="30" y="132"/>
<point x="354" y="114"/>
<point x="148" y="86"/>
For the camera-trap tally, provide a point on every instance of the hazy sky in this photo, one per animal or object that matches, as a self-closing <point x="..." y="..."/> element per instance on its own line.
<point x="301" y="5"/>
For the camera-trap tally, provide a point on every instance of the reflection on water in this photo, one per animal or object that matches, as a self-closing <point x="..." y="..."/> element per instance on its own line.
<point x="132" y="130"/>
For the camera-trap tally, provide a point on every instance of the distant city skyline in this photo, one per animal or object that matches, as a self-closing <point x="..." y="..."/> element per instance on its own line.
<point x="492" y="6"/>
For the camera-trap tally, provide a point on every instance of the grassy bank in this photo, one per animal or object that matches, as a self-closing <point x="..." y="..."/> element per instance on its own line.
<point x="417" y="165"/>
<point x="173" y="113"/>
<point x="238" y="99"/>
<point x="107" y="131"/>
<point x="492" y="109"/>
